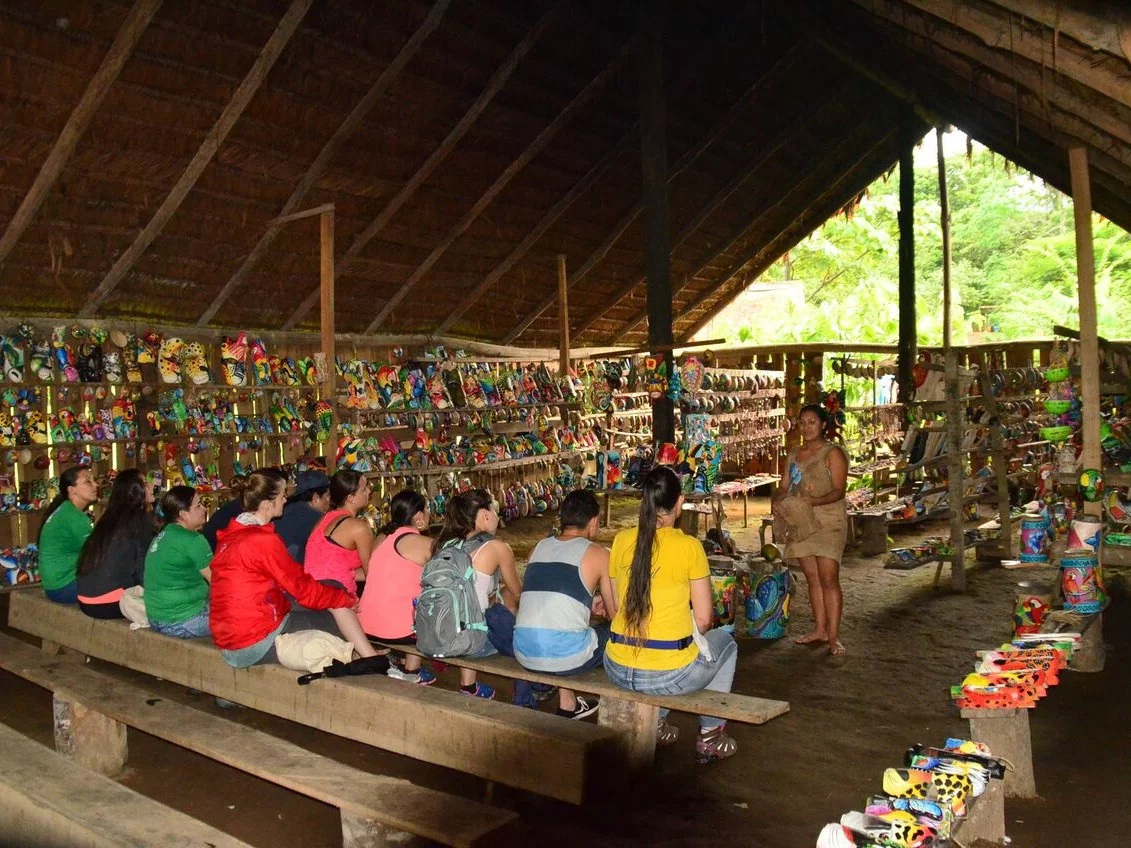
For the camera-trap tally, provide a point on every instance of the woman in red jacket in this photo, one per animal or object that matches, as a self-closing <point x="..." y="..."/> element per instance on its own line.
<point x="254" y="581"/>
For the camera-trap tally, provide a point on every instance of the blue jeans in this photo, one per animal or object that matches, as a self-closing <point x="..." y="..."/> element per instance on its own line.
<point x="190" y="628"/>
<point x="68" y="594"/>
<point x="717" y="675"/>
<point x="500" y="640"/>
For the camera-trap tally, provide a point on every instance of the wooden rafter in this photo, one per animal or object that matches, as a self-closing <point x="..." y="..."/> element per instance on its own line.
<point x="681" y="165"/>
<point x="129" y="34"/>
<point x="204" y="155"/>
<point x="765" y="153"/>
<point x="831" y="200"/>
<point x="322" y="160"/>
<point x="533" y="149"/>
<point x="451" y="140"/>
<point x="556" y="211"/>
<point x="994" y="29"/>
<point x="1038" y="92"/>
<point x="1110" y="31"/>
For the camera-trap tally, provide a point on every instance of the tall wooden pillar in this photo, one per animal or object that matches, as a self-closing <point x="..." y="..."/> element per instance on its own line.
<point x="329" y="350"/>
<point x="908" y="347"/>
<point x="654" y="163"/>
<point x="1089" y="341"/>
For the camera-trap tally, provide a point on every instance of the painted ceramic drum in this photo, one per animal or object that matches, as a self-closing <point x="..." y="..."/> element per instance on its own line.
<point x="1081" y="581"/>
<point x="723" y="580"/>
<point x="1034" y="538"/>
<point x="1085" y="534"/>
<point x="767" y="604"/>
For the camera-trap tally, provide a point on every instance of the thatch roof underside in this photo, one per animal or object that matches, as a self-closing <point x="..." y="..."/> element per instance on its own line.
<point x="465" y="144"/>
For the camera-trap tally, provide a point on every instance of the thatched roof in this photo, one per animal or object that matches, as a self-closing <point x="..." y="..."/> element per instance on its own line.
<point x="466" y="143"/>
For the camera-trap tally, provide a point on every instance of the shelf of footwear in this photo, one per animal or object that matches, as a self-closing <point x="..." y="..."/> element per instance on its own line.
<point x="498" y="465"/>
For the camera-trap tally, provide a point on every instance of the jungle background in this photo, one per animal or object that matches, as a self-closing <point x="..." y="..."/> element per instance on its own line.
<point x="1013" y="263"/>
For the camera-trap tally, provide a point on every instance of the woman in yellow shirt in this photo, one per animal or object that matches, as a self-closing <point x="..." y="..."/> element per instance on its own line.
<point x="662" y="585"/>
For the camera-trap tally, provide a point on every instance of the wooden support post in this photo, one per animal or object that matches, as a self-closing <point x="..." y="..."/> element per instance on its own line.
<point x="329" y="376"/>
<point x="358" y="832"/>
<point x="1090" y="654"/>
<point x="985" y="818"/>
<point x="955" y="427"/>
<point x="563" y="316"/>
<point x="908" y="346"/>
<point x="636" y="722"/>
<point x="944" y="221"/>
<point x="654" y="164"/>
<point x="1006" y="732"/>
<point x="90" y="738"/>
<point x="1089" y="341"/>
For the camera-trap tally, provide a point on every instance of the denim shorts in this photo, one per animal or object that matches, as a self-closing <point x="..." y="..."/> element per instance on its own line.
<point x="190" y="628"/>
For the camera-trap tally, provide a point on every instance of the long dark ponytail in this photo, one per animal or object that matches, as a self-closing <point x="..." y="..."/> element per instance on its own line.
<point x="661" y="493"/>
<point x="402" y="507"/>
<point x="459" y="516"/>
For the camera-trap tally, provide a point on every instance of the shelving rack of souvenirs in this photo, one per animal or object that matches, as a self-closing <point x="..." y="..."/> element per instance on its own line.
<point x="72" y="394"/>
<point x="1115" y="390"/>
<point x="435" y="438"/>
<point x="874" y="450"/>
<point x="1005" y="400"/>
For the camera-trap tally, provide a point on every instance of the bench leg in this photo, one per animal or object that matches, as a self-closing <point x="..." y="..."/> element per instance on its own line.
<point x="1089" y="655"/>
<point x="636" y="723"/>
<point x="1007" y="734"/>
<point x="358" y="832"/>
<point x="90" y="738"/>
<point x="985" y="817"/>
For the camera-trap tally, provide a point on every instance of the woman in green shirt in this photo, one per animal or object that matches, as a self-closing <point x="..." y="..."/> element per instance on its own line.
<point x="65" y="529"/>
<point x="176" y="568"/>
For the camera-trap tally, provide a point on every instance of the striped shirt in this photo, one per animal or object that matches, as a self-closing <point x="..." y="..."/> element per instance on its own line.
<point x="552" y="631"/>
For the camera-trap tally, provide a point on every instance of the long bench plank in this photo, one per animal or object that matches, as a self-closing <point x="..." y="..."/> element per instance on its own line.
<point x="727" y="705"/>
<point x="398" y="803"/>
<point x="522" y="748"/>
<point x="47" y="801"/>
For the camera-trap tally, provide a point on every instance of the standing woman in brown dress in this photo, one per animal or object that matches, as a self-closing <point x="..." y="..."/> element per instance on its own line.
<point x="818" y="474"/>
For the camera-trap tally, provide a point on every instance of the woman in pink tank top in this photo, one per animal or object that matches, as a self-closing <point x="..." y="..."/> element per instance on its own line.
<point x="339" y="547"/>
<point x="393" y="584"/>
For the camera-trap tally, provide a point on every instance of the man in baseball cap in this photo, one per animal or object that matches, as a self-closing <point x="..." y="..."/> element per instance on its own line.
<point x="303" y="511"/>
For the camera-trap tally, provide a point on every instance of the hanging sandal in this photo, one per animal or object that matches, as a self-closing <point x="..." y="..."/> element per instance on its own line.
<point x="715" y="744"/>
<point x="666" y="734"/>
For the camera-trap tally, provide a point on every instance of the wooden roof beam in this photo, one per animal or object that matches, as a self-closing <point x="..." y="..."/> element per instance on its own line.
<point x="830" y="94"/>
<point x="326" y="154"/>
<point x="287" y="27"/>
<point x="435" y="159"/>
<point x="681" y="164"/>
<point x="925" y="34"/>
<point x="814" y="214"/>
<point x="974" y="18"/>
<point x="1110" y="32"/>
<point x="540" y="229"/>
<point x="126" y="39"/>
<point x="572" y="109"/>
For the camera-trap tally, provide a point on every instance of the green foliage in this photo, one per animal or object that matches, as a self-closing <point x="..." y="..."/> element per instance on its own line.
<point x="1013" y="264"/>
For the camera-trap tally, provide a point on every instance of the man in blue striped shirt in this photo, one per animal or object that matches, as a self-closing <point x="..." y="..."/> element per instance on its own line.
<point x="566" y="580"/>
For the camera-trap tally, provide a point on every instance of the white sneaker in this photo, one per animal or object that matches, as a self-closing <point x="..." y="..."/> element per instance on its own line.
<point x="398" y="673"/>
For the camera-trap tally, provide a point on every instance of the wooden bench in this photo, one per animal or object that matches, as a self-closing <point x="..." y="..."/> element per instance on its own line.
<point x="522" y="748"/>
<point x="632" y="715"/>
<point x="48" y="801"/>
<point x="92" y="711"/>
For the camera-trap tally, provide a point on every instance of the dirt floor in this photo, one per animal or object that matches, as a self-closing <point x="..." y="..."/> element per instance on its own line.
<point x="851" y="717"/>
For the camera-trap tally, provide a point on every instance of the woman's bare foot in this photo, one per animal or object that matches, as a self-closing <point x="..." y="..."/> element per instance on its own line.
<point x="813" y="638"/>
<point x="836" y="649"/>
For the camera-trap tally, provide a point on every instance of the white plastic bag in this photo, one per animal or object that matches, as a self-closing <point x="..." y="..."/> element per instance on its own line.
<point x="132" y="605"/>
